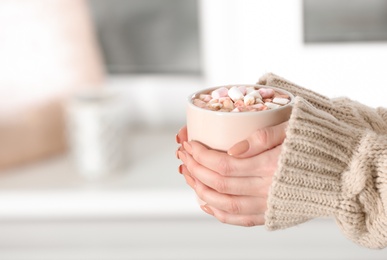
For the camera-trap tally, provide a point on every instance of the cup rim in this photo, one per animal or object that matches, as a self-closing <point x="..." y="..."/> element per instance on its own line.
<point x="224" y="113"/>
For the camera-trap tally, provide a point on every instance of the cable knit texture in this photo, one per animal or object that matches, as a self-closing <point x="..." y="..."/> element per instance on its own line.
<point x="333" y="164"/>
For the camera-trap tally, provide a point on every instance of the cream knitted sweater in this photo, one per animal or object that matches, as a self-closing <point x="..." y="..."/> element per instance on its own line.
<point x="333" y="163"/>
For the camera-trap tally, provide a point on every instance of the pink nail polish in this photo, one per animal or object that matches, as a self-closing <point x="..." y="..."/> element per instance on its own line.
<point x="239" y="148"/>
<point x="177" y="138"/>
<point x="206" y="209"/>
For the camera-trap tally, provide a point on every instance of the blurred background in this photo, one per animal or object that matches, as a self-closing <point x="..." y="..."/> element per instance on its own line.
<point x="93" y="92"/>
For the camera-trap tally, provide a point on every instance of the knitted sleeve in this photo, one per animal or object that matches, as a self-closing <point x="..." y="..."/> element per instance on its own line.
<point x="346" y="110"/>
<point x="333" y="167"/>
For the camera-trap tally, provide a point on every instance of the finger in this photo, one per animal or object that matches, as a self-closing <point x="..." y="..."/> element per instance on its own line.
<point x="232" y="219"/>
<point x="182" y="135"/>
<point x="187" y="176"/>
<point x="246" y="186"/>
<point x="183" y="170"/>
<point x="241" y="205"/>
<point x="214" y="160"/>
<point x="264" y="164"/>
<point x="179" y="149"/>
<point x="260" y="141"/>
<point x="190" y="181"/>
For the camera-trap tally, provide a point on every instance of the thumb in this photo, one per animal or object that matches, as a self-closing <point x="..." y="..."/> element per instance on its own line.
<point x="260" y="141"/>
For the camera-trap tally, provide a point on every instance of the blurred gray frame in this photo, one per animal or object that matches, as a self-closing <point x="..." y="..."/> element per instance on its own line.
<point x="148" y="36"/>
<point x="344" y="21"/>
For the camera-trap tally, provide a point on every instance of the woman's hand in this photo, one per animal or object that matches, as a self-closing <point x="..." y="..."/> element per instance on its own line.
<point x="233" y="185"/>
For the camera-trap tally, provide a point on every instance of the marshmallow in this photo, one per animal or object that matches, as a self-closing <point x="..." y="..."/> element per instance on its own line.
<point x="227" y="103"/>
<point x="266" y="92"/>
<point x="258" y="100"/>
<point x="242" y="89"/>
<point x="249" y="90"/>
<point x="222" y="99"/>
<point x="215" y="105"/>
<point x="281" y="95"/>
<point x="219" y="92"/>
<point x="255" y="94"/>
<point x="252" y="98"/>
<point x="205" y="97"/>
<point x="249" y="100"/>
<point x="199" y="103"/>
<point x="214" y="100"/>
<point x="239" y="103"/>
<point x="280" y="101"/>
<point x="259" y="106"/>
<point x="272" y="105"/>
<point x="235" y="94"/>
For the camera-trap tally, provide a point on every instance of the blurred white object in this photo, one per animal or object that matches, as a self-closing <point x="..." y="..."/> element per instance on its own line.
<point x="48" y="49"/>
<point x="97" y="132"/>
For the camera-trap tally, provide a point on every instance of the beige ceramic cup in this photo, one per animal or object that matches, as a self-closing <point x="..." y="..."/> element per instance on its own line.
<point x="221" y="130"/>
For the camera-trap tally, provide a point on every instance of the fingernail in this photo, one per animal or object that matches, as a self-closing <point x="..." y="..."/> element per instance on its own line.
<point x="177" y="138"/>
<point x="206" y="209"/>
<point x="187" y="147"/>
<point x="181" y="155"/>
<point x="180" y="169"/>
<point x="177" y="152"/>
<point x="191" y="182"/>
<point x="239" y="148"/>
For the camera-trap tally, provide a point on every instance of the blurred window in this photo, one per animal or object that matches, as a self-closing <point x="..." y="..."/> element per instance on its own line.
<point x="345" y="20"/>
<point x="148" y="36"/>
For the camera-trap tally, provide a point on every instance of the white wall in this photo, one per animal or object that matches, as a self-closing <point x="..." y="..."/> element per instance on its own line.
<point x="241" y="40"/>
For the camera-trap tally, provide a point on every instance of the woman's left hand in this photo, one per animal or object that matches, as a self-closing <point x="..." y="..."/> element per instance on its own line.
<point x="233" y="185"/>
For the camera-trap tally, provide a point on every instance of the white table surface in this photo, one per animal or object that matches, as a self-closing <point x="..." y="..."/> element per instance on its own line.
<point x="53" y="188"/>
